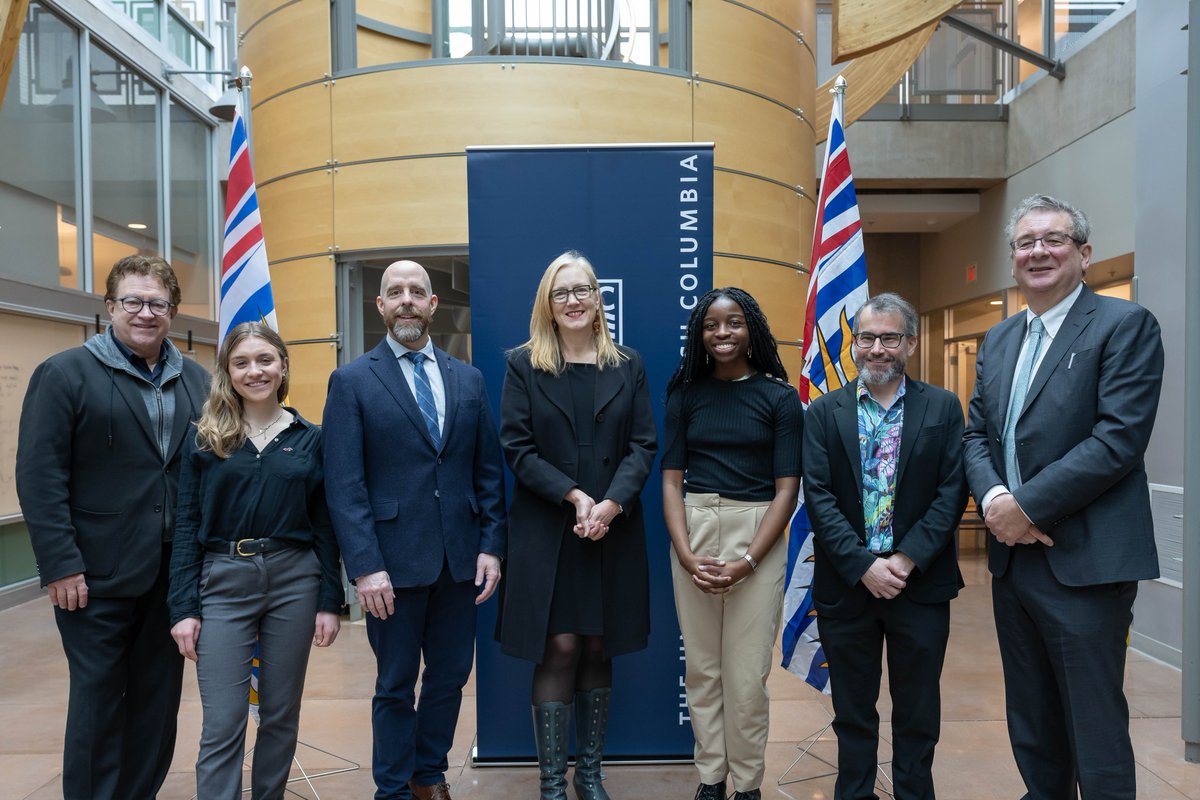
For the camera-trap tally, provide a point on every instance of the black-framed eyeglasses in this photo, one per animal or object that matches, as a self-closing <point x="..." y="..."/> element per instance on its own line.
<point x="133" y="305"/>
<point x="1051" y="241"/>
<point x="581" y="292"/>
<point x="890" y="341"/>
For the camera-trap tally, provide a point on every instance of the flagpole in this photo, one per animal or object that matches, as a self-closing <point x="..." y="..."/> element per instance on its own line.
<point x="242" y="81"/>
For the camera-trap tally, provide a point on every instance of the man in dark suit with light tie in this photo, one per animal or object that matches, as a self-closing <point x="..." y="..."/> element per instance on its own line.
<point x="414" y="477"/>
<point x="884" y="487"/>
<point x="1064" y="403"/>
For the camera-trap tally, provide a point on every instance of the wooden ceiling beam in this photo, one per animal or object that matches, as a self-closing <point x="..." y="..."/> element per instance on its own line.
<point x="12" y="19"/>
<point x="865" y="26"/>
<point x="869" y="78"/>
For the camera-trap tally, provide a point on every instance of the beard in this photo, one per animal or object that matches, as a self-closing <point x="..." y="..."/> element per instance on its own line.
<point x="404" y="331"/>
<point x="875" y="373"/>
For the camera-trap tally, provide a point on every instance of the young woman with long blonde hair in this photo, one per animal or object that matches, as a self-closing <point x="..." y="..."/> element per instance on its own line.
<point x="254" y="562"/>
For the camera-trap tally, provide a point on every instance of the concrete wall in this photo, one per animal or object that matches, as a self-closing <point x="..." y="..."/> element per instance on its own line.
<point x="894" y="265"/>
<point x="928" y="154"/>
<point x="1095" y="172"/>
<point x="1048" y="115"/>
<point x="1160" y="195"/>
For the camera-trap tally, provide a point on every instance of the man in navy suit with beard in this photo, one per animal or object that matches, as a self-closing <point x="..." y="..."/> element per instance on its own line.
<point x="414" y="477"/>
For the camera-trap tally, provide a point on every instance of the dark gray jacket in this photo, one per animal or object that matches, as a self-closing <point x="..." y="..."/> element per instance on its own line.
<point x="98" y="463"/>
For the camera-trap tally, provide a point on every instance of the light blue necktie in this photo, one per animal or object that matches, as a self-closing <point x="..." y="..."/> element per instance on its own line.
<point x="1020" y="389"/>
<point x="425" y="397"/>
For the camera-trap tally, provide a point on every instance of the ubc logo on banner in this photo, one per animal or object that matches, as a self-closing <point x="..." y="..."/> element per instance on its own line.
<point x="611" y="290"/>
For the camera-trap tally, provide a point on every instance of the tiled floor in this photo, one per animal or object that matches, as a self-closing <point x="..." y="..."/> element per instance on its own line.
<point x="973" y="759"/>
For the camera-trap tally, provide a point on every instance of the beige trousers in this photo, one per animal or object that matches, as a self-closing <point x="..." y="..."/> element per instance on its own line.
<point x="729" y="641"/>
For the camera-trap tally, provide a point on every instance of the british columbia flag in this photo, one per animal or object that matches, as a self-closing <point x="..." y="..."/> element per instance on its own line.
<point x="245" y="277"/>
<point x="837" y="286"/>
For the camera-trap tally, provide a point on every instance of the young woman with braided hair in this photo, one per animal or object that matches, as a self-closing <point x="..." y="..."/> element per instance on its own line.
<point x="731" y="474"/>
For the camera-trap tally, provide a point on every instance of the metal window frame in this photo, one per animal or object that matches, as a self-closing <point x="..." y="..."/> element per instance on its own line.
<point x="83" y="138"/>
<point x="83" y="144"/>
<point x="485" y="35"/>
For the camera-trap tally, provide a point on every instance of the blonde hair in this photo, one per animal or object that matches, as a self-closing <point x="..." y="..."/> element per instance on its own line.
<point x="221" y="428"/>
<point x="545" y="352"/>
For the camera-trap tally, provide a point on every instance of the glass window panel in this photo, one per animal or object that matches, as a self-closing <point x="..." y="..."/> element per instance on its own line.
<point x="591" y="29"/>
<point x="185" y="44"/>
<point x="1073" y="19"/>
<point x="124" y="164"/>
<point x="38" y="155"/>
<point x="191" y="177"/>
<point x="1029" y="34"/>
<point x="195" y="11"/>
<point x="143" y="12"/>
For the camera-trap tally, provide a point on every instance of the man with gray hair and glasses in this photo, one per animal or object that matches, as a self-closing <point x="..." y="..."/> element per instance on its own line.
<point x="1064" y="403"/>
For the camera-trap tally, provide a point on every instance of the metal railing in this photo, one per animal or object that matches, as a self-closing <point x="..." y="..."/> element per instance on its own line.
<point x="960" y="75"/>
<point x="627" y="31"/>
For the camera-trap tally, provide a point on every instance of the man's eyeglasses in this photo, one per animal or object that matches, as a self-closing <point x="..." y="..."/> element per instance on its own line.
<point x="133" y="305"/>
<point x="581" y="292"/>
<point x="1051" y="241"/>
<point x="866" y="341"/>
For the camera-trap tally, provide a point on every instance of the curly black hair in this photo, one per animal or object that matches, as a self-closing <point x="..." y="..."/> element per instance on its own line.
<point x="764" y="352"/>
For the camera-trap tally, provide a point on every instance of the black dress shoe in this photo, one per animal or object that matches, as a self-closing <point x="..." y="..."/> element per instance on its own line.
<point x="753" y="794"/>
<point x="710" y="791"/>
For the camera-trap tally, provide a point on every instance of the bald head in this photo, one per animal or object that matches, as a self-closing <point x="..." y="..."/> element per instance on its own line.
<point x="404" y="270"/>
<point x="406" y="302"/>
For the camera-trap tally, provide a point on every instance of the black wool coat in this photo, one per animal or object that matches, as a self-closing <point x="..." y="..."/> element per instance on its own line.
<point x="537" y="433"/>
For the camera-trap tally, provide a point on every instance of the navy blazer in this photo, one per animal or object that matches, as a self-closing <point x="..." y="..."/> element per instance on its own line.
<point x="1081" y="438"/>
<point x="931" y="493"/>
<point x="396" y="503"/>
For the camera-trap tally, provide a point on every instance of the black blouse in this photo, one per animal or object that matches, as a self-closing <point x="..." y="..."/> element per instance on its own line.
<point x="278" y="493"/>
<point x="734" y="438"/>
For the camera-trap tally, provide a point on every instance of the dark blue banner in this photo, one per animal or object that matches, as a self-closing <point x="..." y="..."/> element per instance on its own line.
<point x="642" y="214"/>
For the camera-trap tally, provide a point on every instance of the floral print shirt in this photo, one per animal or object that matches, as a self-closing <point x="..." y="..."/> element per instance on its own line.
<point x="879" y="448"/>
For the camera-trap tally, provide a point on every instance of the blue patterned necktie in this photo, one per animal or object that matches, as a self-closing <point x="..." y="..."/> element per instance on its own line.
<point x="425" y="397"/>
<point x="1020" y="389"/>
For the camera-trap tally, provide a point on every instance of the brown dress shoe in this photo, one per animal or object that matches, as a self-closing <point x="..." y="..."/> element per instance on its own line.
<point x="438" y="791"/>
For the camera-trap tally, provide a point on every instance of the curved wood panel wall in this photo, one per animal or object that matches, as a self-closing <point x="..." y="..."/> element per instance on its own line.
<point x="375" y="160"/>
<point x="401" y="13"/>
<point x="754" y="97"/>
<point x="492" y="103"/>
<point x="308" y="286"/>
<point x="293" y="135"/>
<point x="288" y="46"/>
<point x="297" y="215"/>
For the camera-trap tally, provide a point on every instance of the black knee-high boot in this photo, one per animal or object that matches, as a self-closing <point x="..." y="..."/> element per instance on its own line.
<point x="550" y="721"/>
<point x="591" y="725"/>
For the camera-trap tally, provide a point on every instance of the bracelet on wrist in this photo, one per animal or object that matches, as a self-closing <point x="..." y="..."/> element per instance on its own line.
<point x="750" y="560"/>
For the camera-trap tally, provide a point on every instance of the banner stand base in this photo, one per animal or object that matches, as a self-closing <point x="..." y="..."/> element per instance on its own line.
<point x="883" y="782"/>
<point x="478" y="762"/>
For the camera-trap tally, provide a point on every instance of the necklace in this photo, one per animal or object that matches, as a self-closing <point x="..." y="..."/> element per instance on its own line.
<point x="266" y="427"/>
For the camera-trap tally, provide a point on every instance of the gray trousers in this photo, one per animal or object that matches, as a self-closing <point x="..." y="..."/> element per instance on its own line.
<point x="271" y="598"/>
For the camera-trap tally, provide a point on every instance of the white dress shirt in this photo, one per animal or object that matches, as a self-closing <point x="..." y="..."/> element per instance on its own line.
<point x="431" y="371"/>
<point x="1052" y="320"/>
